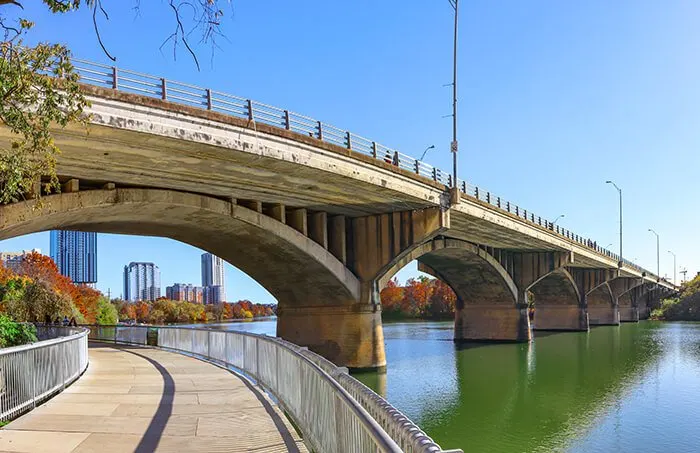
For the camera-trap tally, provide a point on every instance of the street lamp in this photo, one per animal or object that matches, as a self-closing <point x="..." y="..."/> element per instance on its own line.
<point x="557" y="219"/>
<point x="620" y="192"/>
<point x="658" y="267"/>
<point x="453" y="145"/>
<point x="607" y="246"/>
<point x="674" y="267"/>
<point x="426" y="150"/>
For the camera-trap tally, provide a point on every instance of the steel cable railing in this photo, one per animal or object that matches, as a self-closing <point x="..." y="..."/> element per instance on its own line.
<point x="334" y="411"/>
<point x="30" y="374"/>
<point x="205" y="98"/>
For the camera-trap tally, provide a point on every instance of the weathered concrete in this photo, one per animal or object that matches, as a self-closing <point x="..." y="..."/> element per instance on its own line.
<point x="144" y="400"/>
<point x="560" y="317"/>
<point x="603" y="309"/>
<point x="350" y="335"/>
<point x="629" y="314"/>
<point x="492" y="323"/>
<point x="558" y="304"/>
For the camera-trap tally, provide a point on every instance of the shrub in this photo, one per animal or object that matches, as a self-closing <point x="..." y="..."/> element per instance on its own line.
<point x="14" y="334"/>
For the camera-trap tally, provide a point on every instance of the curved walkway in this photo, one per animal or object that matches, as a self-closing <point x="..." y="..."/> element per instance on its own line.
<point x="140" y="400"/>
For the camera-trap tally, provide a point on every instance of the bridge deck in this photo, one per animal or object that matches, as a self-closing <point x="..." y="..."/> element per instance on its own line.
<point x="141" y="400"/>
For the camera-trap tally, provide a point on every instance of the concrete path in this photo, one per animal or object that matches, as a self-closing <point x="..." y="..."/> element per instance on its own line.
<point x="142" y="400"/>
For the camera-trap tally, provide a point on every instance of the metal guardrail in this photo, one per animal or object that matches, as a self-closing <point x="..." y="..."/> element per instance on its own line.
<point x="208" y="99"/>
<point x="32" y="373"/>
<point x="334" y="411"/>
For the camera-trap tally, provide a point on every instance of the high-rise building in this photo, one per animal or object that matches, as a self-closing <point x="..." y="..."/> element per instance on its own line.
<point x="186" y="292"/>
<point x="75" y="254"/>
<point x="13" y="260"/>
<point x="141" y="282"/>
<point x="213" y="275"/>
<point x="213" y="294"/>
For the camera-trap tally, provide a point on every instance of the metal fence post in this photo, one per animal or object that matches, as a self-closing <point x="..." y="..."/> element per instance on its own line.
<point x="163" y="89"/>
<point x="374" y="149"/>
<point x="250" y="110"/>
<point x="287" y="124"/>
<point x="347" y="140"/>
<point x="115" y="80"/>
<point x="210" y="102"/>
<point x="320" y="130"/>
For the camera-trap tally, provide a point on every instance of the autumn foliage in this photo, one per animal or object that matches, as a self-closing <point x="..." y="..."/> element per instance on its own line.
<point x="165" y="311"/>
<point x="419" y="298"/>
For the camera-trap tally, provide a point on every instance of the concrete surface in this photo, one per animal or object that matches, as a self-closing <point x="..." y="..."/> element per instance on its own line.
<point x="144" y="400"/>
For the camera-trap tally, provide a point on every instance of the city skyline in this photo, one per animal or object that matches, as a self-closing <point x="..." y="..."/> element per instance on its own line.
<point x="141" y="281"/>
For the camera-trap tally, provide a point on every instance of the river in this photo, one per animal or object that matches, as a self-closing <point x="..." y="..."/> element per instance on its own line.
<point x="631" y="388"/>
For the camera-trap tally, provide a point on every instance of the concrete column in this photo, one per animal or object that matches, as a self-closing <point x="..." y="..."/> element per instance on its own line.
<point x="603" y="315"/>
<point x="276" y="211"/>
<point x="492" y="322"/>
<point x="629" y="314"/>
<point x="296" y="218"/>
<point x="318" y="228"/>
<point x="337" y="240"/>
<point x="348" y="335"/>
<point x="253" y="205"/>
<point x="561" y="317"/>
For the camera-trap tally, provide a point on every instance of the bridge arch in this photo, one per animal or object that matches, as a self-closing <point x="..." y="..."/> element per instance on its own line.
<point x="319" y="298"/>
<point x="558" y="302"/>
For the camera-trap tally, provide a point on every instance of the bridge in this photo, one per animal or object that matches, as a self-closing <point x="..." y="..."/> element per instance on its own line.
<point x="320" y="217"/>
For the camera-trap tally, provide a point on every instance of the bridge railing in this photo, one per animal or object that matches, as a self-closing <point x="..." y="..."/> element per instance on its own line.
<point x="205" y="98"/>
<point x="32" y="373"/>
<point x="333" y="410"/>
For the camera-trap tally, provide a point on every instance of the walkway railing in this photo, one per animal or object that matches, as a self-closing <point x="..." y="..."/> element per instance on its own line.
<point x="208" y="99"/>
<point x="334" y="411"/>
<point x="32" y="373"/>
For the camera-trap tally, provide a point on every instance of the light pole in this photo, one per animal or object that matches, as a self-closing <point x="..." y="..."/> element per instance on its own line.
<point x="658" y="266"/>
<point x="620" y="192"/>
<point x="557" y="219"/>
<point x="674" y="267"/>
<point x="426" y="150"/>
<point x="453" y="145"/>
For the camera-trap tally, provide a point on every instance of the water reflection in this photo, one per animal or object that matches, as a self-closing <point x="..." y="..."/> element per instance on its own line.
<point x="632" y="388"/>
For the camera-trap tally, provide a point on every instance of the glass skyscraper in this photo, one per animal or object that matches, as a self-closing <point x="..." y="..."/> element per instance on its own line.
<point x="141" y="282"/>
<point x="75" y="254"/>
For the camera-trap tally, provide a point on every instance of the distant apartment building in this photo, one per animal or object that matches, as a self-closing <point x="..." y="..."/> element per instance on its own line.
<point x="141" y="282"/>
<point x="186" y="292"/>
<point x="75" y="255"/>
<point x="213" y="281"/>
<point x="13" y="260"/>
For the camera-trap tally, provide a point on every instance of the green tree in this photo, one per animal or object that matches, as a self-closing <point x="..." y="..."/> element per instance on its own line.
<point x="106" y="312"/>
<point x="14" y="334"/>
<point x="39" y="87"/>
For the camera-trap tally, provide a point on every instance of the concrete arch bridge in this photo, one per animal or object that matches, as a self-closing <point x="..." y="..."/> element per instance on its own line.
<point x="320" y="217"/>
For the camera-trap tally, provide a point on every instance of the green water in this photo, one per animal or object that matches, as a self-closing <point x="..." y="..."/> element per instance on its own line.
<point x="633" y="388"/>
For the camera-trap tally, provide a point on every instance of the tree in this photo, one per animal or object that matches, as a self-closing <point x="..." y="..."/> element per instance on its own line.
<point x="106" y="312"/>
<point x="442" y="300"/>
<point x="39" y="87"/>
<point x="415" y="297"/>
<point x="391" y="297"/>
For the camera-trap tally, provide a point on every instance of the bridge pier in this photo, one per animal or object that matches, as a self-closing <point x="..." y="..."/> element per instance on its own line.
<point x="561" y="317"/>
<point x="492" y="322"/>
<point x="603" y="309"/>
<point x="629" y="314"/>
<point x="350" y="335"/>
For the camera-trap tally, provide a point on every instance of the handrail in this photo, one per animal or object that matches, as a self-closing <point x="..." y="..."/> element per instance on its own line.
<point x="32" y="373"/>
<point x="334" y="411"/>
<point x="143" y="84"/>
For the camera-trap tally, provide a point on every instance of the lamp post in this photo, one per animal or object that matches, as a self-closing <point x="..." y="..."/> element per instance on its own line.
<point x="674" y="267"/>
<point x="426" y="150"/>
<point x="453" y="145"/>
<point x="619" y="191"/>
<point x="557" y="219"/>
<point x="658" y="267"/>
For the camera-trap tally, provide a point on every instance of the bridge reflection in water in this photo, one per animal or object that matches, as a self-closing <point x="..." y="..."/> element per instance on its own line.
<point x="544" y="396"/>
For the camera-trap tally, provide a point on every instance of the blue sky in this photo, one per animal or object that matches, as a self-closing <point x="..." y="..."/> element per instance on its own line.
<point x="555" y="98"/>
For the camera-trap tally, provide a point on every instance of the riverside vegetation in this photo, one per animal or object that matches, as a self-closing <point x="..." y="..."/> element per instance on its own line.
<point x="36" y="291"/>
<point x="685" y="307"/>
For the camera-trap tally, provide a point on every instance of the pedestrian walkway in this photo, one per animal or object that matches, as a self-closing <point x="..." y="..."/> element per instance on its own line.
<point x="142" y="400"/>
